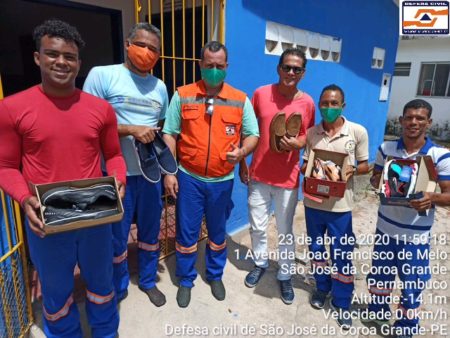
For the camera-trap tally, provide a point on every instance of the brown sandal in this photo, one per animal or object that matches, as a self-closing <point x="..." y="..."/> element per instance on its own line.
<point x="293" y="124"/>
<point x="277" y="131"/>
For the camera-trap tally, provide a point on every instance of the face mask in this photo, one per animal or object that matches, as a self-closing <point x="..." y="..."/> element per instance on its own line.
<point x="142" y="58"/>
<point x="330" y="114"/>
<point x="213" y="76"/>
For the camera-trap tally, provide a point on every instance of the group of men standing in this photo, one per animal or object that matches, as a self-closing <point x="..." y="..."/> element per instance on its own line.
<point x="210" y="127"/>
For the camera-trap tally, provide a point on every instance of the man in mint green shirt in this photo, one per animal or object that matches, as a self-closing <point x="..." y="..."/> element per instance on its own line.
<point x="210" y="126"/>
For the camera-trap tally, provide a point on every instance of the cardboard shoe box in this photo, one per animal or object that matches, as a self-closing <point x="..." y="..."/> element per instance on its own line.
<point x="326" y="188"/>
<point x="426" y="181"/>
<point x="51" y="229"/>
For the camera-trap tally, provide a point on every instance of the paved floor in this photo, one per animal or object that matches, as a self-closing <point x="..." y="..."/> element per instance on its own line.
<point x="259" y="312"/>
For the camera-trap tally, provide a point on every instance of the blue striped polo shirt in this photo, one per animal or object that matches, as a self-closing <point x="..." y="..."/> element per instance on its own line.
<point x="405" y="222"/>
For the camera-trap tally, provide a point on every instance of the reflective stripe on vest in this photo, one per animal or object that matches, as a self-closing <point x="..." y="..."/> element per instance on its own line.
<point x="206" y="138"/>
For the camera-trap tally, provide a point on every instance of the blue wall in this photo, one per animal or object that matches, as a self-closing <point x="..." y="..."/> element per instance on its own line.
<point x="362" y="25"/>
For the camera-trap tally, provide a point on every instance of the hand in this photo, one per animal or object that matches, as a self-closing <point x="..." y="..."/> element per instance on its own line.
<point x="171" y="185"/>
<point x="121" y="188"/>
<point x="423" y="203"/>
<point x="289" y="143"/>
<point x="243" y="172"/>
<point x="144" y="134"/>
<point x="31" y="207"/>
<point x="375" y="180"/>
<point x="349" y="172"/>
<point x="235" y="155"/>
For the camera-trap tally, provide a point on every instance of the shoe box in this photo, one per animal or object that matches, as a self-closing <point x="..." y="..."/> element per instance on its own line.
<point x="426" y="180"/>
<point x="43" y="188"/>
<point x="326" y="188"/>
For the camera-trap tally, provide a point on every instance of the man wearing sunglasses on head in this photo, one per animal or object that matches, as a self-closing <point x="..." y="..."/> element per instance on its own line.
<point x="140" y="101"/>
<point x="210" y="126"/>
<point x="273" y="176"/>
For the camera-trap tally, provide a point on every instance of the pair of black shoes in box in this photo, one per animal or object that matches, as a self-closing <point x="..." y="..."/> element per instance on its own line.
<point x="69" y="204"/>
<point x="155" y="157"/>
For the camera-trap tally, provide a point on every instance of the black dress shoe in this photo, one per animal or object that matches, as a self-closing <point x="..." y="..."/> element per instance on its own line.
<point x="183" y="296"/>
<point x="147" y="161"/>
<point x="217" y="289"/>
<point x="164" y="156"/>
<point x="55" y="216"/>
<point x="81" y="198"/>
<point x="155" y="296"/>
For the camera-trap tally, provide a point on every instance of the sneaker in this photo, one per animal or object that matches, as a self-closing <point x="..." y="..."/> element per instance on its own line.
<point x="254" y="276"/>
<point x="217" y="289"/>
<point x="55" y="216"/>
<point x="155" y="296"/>
<point x="67" y="197"/>
<point x="287" y="292"/>
<point x="164" y="156"/>
<point x="147" y="162"/>
<point x="122" y="296"/>
<point x="318" y="298"/>
<point x="344" y="319"/>
<point x="183" y="296"/>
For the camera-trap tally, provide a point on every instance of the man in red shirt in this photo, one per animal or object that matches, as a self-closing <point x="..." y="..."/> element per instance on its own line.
<point x="55" y="132"/>
<point x="273" y="176"/>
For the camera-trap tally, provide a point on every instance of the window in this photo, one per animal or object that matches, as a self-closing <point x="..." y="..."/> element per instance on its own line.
<point x="434" y="79"/>
<point x="378" y="58"/>
<point x="402" y="68"/>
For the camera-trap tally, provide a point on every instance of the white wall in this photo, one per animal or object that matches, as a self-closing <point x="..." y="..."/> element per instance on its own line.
<point x="404" y="88"/>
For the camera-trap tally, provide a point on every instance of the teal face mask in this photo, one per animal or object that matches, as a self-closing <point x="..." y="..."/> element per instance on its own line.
<point x="213" y="76"/>
<point x="330" y="114"/>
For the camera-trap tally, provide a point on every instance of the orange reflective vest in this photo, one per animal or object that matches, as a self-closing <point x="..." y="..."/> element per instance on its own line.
<point x="206" y="138"/>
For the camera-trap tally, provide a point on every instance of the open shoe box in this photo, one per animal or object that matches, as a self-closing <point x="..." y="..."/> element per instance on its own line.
<point x="426" y="181"/>
<point x="42" y="188"/>
<point x="326" y="188"/>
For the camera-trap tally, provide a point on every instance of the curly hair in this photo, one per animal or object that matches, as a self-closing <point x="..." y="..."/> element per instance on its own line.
<point x="57" y="28"/>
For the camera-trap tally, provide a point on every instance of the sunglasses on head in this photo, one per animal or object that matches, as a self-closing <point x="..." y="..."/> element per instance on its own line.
<point x="296" y="70"/>
<point x="210" y="105"/>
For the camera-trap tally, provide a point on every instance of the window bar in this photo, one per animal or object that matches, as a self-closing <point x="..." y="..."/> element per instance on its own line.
<point x="149" y="6"/>
<point x="149" y="15"/>
<point x="163" y="61"/>
<point x="174" y="75"/>
<point x="193" y="39"/>
<point x="222" y="21"/>
<point x="447" y="88"/>
<point x="432" y="81"/>
<point x="137" y="9"/>
<point x="203" y="23"/>
<point x="211" y="33"/>
<point x="184" y="41"/>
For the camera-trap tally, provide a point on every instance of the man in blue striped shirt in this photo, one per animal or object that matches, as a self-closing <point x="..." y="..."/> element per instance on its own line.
<point x="403" y="232"/>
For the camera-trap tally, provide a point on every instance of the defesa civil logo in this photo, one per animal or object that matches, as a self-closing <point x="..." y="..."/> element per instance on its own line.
<point x="424" y="18"/>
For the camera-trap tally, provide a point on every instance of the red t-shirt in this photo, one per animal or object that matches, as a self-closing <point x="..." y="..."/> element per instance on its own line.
<point x="278" y="169"/>
<point x="45" y="139"/>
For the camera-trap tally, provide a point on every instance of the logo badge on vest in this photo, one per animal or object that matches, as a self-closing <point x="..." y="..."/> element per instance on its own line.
<point x="230" y="130"/>
<point x="424" y="18"/>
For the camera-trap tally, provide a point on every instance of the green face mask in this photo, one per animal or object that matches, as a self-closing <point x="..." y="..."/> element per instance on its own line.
<point x="330" y="114"/>
<point x="213" y="76"/>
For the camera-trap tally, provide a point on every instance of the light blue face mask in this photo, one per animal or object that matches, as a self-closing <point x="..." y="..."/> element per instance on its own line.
<point x="213" y="76"/>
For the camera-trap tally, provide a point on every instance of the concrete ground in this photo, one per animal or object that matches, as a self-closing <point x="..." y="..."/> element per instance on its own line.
<point x="259" y="312"/>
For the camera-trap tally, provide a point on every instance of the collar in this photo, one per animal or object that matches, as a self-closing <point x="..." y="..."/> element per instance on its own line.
<point x="342" y="132"/>
<point x="423" y="151"/>
<point x="223" y="94"/>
